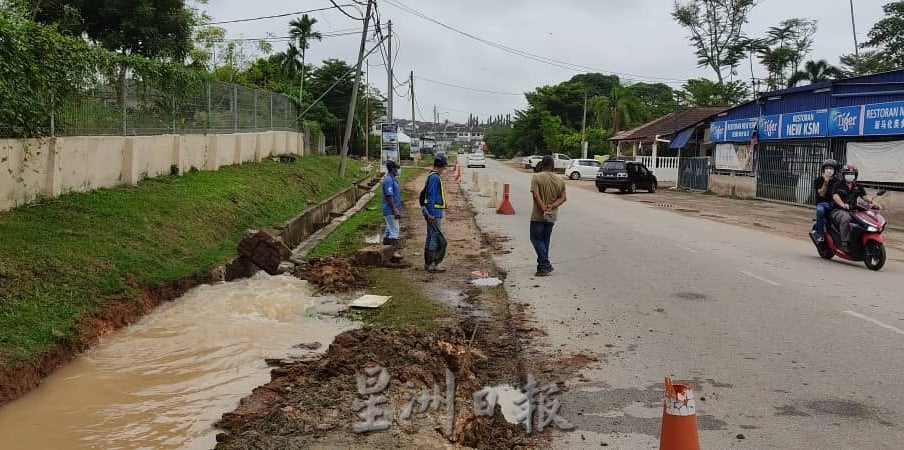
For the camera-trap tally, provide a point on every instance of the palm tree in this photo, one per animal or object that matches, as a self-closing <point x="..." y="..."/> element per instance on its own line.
<point x="624" y="108"/>
<point x="302" y="31"/>
<point x="288" y="62"/>
<point x="814" y="72"/>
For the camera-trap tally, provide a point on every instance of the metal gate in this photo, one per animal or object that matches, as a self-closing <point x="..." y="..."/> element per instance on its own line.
<point x="693" y="173"/>
<point x="785" y="170"/>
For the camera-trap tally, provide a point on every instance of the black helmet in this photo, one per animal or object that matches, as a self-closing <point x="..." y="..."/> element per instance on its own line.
<point x="830" y="163"/>
<point x="850" y="168"/>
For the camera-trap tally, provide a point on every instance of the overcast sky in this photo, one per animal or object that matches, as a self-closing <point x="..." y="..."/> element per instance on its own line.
<point x="636" y="39"/>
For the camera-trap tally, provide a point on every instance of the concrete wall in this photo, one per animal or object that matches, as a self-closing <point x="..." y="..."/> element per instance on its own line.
<point x="740" y="186"/>
<point x="318" y="216"/>
<point x="33" y="169"/>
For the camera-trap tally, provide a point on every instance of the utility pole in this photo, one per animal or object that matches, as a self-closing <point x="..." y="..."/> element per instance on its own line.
<point x="367" y="111"/>
<point x="343" y="153"/>
<point x="389" y="72"/>
<point x="413" y="126"/>
<point x="584" y="129"/>
<point x="854" y="28"/>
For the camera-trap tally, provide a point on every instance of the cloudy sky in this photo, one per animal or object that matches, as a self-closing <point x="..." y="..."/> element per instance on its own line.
<point x="636" y="39"/>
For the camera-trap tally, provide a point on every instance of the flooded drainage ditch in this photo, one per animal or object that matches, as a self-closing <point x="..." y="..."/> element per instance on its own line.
<point x="163" y="382"/>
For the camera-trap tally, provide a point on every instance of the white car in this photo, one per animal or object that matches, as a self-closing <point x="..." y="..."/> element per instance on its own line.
<point x="476" y="159"/>
<point x="531" y="161"/>
<point x="582" y="168"/>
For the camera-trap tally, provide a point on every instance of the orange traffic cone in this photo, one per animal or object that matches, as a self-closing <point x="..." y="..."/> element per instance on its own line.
<point x="506" y="206"/>
<point x="679" y="418"/>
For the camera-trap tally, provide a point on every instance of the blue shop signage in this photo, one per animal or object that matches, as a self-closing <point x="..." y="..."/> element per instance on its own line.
<point x="846" y="121"/>
<point x="738" y="130"/>
<point x="803" y="125"/>
<point x="877" y="119"/>
<point x="883" y="119"/>
<point x="770" y="128"/>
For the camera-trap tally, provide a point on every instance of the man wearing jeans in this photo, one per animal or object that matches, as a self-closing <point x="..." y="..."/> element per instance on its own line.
<point x="824" y="186"/>
<point x="433" y="203"/>
<point x="549" y="194"/>
<point x="392" y="207"/>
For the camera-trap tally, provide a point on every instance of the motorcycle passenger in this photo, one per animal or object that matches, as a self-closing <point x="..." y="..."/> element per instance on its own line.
<point x="823" y="185"/>
<point x="845" y="195"/>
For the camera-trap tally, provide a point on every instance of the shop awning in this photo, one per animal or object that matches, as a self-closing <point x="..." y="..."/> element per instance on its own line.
<point x="681" y="139"/>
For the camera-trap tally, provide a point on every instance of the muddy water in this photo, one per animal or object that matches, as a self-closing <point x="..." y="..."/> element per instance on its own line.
<point x="163" y="382"/>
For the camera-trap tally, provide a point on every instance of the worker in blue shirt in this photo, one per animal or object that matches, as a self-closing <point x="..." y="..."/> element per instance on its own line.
<point x="392" y="207"/>
<point x="433" y="203"/>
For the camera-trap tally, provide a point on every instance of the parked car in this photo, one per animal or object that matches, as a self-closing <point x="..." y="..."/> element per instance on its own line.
<point x="531" y="161"/>
<point x="626" y="176"/>
<point x="476" y="159"/>
<point x="582" y="168"/>
<point x="561" y="162"/>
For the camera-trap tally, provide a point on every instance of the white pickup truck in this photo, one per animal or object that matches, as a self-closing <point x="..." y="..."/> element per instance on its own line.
<point x="562" y="161"/>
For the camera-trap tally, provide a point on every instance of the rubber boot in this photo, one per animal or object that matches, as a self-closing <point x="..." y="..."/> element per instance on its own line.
<point x="396" y="255"/>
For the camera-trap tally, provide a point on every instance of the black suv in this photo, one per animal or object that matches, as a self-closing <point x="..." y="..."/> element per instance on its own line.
<point x="626" y="176"/>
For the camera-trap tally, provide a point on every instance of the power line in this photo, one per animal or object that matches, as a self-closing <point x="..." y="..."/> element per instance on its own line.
<point x="276" y="16"/>
<point x="465" y="87"/>
<point x="289" y="38"/>
<point x="343" y="11"/>
<point x="524" y="54"/>
<point x="419" y="113"/>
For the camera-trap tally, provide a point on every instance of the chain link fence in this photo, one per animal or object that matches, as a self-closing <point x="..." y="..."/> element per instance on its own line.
<point x="135" y="108"/>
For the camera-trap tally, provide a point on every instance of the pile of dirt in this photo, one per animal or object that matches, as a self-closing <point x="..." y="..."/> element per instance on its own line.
<point x="309" y="402"/>
<point x="332" y="275"/>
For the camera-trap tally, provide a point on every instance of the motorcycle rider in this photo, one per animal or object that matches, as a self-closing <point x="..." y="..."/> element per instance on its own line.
<point x="823" y="185"/>
<point x="845" y="194"/>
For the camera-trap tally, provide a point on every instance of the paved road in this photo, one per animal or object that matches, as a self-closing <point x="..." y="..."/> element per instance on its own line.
<point x="788" y="350"/>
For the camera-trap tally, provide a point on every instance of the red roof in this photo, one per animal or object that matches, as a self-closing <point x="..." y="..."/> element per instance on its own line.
<point x="665" y="126"/>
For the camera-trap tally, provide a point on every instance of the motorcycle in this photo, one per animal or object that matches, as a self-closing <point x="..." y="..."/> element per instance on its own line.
<point x="867" y="244"/>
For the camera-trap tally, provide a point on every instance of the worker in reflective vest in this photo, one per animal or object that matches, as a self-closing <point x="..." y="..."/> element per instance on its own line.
<point x="433" y="204"/>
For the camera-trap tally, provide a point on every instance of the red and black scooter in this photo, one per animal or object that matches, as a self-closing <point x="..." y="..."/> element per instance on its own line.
<point x="866" y="245"/>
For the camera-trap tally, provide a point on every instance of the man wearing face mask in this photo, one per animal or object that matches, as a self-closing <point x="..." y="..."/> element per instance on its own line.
<point x="845" y="195"/>
<point x="824" y="185"/>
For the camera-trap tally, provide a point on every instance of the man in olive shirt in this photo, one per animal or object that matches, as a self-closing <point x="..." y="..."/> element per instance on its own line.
<point x="549" y="193"/>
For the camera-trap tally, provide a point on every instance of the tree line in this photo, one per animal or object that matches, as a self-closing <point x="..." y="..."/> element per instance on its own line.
<point x="169" y="45"/>
<point x="552" y="122"/>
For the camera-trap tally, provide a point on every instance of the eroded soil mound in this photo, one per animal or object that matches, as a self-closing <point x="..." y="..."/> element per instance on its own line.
<point x="332" y="275"/>
<point x="309" y="403"/>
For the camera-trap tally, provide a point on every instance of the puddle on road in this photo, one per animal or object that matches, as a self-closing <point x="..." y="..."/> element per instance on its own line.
<point x="164" y="381"/>
<point x="487" y="282"/>
<point x="458" y="301"/>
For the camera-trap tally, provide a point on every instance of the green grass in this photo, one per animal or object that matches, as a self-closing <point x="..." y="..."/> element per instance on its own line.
<point x="408" y="307"/>
<point x="349" y="237"/>
<point x="63" y="260"/>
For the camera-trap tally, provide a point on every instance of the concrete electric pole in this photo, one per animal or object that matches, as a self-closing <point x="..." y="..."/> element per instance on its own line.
<point x="350" y="120"/>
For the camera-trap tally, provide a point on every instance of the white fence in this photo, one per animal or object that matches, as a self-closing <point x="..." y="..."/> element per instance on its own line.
<point x="665" y="168"/>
